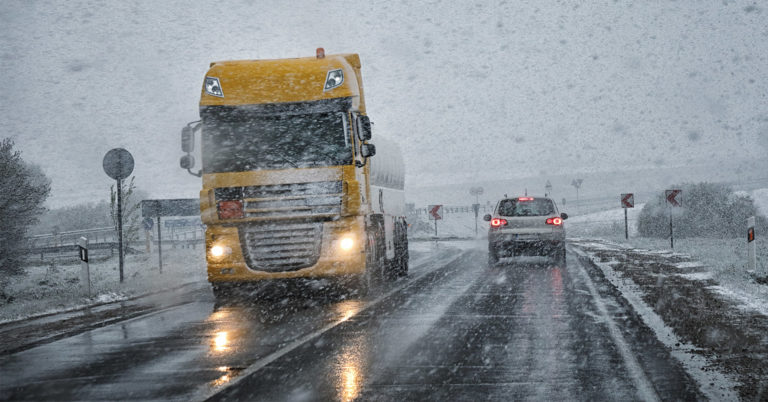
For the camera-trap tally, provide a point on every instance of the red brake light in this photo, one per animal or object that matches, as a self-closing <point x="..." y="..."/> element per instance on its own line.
<point x="525" y="199"/>
<point x="230" y="209"/>
<point x="555" y="221"/>
<point x="496" y="222"/>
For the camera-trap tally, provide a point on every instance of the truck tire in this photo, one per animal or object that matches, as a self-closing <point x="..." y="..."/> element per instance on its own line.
<point x="362" y="284"/>
<point x="222" y="291"/>
<point x="404" y="257"/>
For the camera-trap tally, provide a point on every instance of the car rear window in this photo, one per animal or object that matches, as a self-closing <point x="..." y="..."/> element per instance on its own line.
<point x="534" y="207"/>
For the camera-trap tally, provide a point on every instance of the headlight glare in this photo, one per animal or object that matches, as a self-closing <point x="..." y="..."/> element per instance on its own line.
<point x="346" y="243"/>
<point x="217" y="251"/>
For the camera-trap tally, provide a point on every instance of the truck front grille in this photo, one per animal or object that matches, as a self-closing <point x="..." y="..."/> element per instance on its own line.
<point x="295" y="200"/>
<point x="284" y="246"/>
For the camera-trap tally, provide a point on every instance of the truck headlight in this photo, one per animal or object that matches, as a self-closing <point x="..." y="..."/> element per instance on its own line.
<point x="346" y="243"/>
<point x="218" y="251"/>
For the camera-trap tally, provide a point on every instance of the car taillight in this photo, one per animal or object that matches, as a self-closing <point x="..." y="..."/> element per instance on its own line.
<point x="230" y="209"/>
<point x="525" y="199"/>
<point x="555" y="221"/>
<point x="496" y="222"/>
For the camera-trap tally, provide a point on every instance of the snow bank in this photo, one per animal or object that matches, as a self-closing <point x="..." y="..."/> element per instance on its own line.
<point x="56" y="288"/>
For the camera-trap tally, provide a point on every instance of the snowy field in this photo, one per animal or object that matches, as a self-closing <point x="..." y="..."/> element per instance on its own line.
<point x="47" y="289"/>
<point x="721" y="260"/>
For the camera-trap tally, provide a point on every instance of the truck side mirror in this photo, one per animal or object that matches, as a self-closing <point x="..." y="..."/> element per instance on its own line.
<point x="187" y="140"/>
<point x="367" y="150"/>
<point x="187" y="162"/>
<point x="363" y="128"/>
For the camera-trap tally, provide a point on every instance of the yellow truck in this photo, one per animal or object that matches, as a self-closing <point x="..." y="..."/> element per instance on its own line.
<point x="290" y="184"/>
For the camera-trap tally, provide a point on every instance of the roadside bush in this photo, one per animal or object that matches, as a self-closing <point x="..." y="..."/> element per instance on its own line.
<point x="23" y="190"/>
<point x="709" y="210"/>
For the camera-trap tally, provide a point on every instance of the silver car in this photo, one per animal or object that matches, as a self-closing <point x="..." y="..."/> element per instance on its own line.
<point x="526" y="226"/>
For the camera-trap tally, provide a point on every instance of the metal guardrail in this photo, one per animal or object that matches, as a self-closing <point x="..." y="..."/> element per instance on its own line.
<point x="57" y="244"/>
<point x="95" y="235"/>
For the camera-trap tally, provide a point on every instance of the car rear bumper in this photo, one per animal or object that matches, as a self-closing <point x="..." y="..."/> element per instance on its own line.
<point x="507" y="244"/>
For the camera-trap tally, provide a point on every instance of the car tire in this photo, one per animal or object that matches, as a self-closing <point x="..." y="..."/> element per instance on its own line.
<point x="493" y="258"/>
<point x="559" y="255"/>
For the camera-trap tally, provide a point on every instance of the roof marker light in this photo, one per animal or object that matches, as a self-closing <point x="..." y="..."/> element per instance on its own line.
<point x="334" y="79"/>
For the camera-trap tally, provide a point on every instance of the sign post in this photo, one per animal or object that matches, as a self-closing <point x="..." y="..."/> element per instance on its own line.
<point x="674" y="201"/>
<point x="118" y="164"/>
<point x="147" y="223"/>
<point x="477" y="192"/>
<point x="751" y="246"/>
<point x="627" y="201"/>
<point x="85" y="274"/>
<point x="435" y="214"/>
<point x="174" y="207"/>
<point x="577" y="183"/>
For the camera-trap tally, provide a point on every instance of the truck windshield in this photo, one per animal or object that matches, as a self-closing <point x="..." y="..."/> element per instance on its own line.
<point x="275" y="142"/>
<point x="534" y="207"/>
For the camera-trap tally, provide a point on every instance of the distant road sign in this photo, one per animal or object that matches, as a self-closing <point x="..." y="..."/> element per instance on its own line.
<point x="176" y="207"/>
<point x="118" y="163"/>
<point x="147" y="223"/>
<point x="673" y="197"/>
<point x="182" y="223"/>
<point x="435" y="212"/>
<point x="628" y="200"/>
<point x="476" y="191"/>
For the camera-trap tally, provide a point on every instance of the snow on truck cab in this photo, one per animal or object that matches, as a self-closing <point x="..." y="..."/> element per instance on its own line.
<point x="290" y="184"/>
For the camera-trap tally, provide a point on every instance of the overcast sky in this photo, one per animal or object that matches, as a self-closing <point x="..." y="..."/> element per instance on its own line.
<point x="471" y="91"/>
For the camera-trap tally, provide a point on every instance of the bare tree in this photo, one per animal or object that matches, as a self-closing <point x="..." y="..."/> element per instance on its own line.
<point x="23" y="189"/>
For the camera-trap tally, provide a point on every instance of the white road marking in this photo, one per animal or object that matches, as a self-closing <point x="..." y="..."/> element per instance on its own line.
<point x="645" y="390"/>
<point x="207" y="391"/>
<point x="714" y="384"/>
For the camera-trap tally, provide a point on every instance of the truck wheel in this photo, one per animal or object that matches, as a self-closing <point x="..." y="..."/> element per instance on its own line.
<point x="363" y="283"/>
<point x="222" y="291"/>
<point x="360" y="285"/>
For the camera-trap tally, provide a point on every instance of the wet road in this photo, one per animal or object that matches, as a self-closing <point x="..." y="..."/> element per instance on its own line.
<point x="455" y="329"/>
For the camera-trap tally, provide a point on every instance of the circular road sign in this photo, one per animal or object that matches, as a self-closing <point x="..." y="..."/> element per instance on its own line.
<point x="118" y="163"/>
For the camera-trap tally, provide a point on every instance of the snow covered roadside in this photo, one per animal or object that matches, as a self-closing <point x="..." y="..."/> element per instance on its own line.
<point x="714" y="384"/>
<point x="715" y="328"/>
<point x="45" y="290"/>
